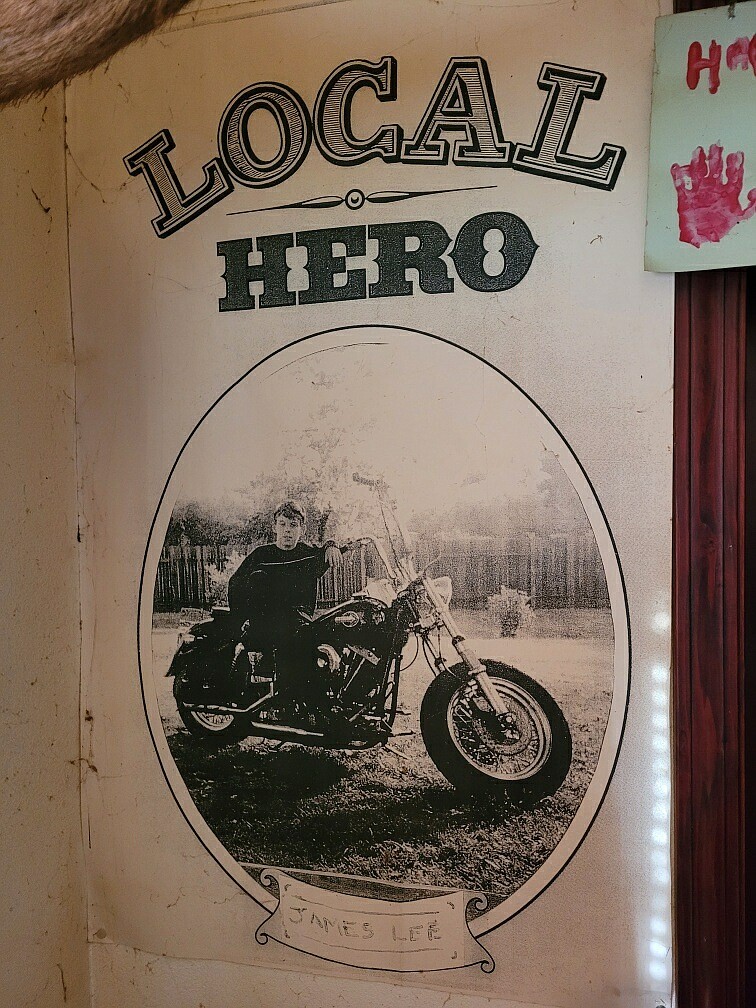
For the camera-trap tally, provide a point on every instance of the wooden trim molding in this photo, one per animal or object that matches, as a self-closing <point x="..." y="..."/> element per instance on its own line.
<point x="708" y="640"/>
<point x="709" y="885"/>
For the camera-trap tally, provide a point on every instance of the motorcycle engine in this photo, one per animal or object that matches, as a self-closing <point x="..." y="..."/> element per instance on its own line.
<point x="328" y="659"/>
<point x="331" y="663"/>
<point x="353" y="644"/>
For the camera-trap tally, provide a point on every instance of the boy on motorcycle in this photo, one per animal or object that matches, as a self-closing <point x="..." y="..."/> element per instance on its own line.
<point x="272" y="596"/>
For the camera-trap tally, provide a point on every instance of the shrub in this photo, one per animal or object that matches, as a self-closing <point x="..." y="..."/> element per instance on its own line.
<point x="218" y="578"/>
<point x="510" y="608"/>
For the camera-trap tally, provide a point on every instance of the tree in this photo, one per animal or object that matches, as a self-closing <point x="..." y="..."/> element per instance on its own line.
<point x="317" y="470"/>
<point x="204" y="523"/>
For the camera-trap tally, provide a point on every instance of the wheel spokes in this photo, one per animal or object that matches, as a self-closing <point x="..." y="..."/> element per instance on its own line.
<point x="213" y="721"/>
<point x="514" y="749"/>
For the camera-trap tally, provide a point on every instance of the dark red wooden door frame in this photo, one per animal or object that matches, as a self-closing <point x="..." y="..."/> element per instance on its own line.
<point x="708" y="658"/>
<point x="708" y="634"/>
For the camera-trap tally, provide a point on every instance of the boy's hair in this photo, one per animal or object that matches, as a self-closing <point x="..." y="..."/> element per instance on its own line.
<point x="291" y="510"/>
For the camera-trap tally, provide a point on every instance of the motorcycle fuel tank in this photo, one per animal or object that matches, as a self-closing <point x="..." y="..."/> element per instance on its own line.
<point x="363" y="624"/>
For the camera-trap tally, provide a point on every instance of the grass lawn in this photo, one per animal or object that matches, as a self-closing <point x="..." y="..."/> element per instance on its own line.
<point x="387" y="813"/>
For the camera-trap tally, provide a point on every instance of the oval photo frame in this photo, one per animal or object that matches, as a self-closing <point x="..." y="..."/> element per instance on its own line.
<point x="399" y="338"/>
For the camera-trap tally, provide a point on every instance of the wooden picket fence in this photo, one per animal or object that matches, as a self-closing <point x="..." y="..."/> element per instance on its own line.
<point x="182" y="580"/>
<point x="555" y="571"/>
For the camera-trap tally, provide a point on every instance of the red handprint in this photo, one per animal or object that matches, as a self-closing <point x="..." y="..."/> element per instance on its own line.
<point x="708" y="207"/>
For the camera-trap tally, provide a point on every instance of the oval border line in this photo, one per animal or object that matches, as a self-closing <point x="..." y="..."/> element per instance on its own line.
<point x="580" y="825"/>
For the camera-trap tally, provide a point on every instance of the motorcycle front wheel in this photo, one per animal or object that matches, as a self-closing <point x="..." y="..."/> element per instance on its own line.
<point x="524" y="758"/>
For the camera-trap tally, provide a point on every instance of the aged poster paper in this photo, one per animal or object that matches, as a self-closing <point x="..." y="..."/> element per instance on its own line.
<point x="418" y="935"/>
<point x="374" y="411"/>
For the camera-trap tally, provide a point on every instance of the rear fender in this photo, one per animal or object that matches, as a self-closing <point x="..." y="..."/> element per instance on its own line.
<point x="201" y="658"/>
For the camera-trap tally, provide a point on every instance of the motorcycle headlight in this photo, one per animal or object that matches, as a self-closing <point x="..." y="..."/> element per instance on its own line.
<point x="443" y="586"/>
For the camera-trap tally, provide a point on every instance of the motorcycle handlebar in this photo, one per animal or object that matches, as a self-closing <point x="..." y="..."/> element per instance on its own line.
<point x="379" y="484"/>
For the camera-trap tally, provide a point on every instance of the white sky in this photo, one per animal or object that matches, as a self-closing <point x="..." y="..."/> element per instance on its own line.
<point x="441" y="425"/>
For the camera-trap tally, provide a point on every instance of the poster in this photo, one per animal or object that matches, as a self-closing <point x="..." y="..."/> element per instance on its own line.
<point x="376" y="653"/>
<point x="702" y="174"/>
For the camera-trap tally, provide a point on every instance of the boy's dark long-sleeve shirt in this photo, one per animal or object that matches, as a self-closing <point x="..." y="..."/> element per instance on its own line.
<point x="271" y="585"/>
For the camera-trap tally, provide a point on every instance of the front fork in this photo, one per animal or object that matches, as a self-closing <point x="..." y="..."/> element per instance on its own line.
<point x="470" y="660"/>
<point x="478" y="672"/>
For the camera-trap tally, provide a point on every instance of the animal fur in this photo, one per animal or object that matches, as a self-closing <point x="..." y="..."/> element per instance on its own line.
<point x="43" y="42"/>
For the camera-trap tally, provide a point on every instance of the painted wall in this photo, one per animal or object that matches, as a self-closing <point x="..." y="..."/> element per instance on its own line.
<point x="43" y="930"/>
<point x="42" y="914"/>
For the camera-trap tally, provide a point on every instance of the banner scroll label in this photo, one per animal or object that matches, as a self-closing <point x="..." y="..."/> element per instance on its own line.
<point x="416" y="935"/>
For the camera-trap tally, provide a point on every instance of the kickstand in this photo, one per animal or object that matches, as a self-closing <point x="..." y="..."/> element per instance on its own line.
<point x="395" y="752"/>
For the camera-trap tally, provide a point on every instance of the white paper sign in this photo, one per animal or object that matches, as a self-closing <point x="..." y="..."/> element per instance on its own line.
<point x="702" y="173"/>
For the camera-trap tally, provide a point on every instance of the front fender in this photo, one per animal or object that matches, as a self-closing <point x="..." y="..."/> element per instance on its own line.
<point x="492" y="666"/>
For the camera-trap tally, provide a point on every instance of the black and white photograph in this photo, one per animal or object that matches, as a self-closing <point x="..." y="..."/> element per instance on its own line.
<point x="383" y="644"/>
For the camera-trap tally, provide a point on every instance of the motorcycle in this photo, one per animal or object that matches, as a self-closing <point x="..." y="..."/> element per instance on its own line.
<point x="488" y="727"/>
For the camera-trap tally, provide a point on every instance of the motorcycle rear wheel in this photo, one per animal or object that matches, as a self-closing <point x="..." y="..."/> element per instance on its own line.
<point x="215" y="728"/>
<point x="456" y="726"/>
